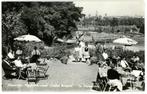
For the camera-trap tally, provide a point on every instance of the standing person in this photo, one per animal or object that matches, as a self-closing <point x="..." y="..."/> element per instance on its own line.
<point x="99" y="51"/>
<point x="35" y="55"/>
<point x="82" y="46"/>
<point x="18" y="52"/>
<point x="80" y="53"/>
<point x="86" y="53"/>
<point x="77" y="53"/>
<point x="114" y="78"/>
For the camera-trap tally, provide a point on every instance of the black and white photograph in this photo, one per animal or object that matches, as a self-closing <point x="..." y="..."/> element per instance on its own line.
<point x="73" y="45"/>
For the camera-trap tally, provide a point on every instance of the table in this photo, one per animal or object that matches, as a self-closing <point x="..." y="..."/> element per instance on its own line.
<point x="22" y="72"/>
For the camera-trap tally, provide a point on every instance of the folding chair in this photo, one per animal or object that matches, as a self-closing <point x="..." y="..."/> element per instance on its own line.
<point x="100" y="82"/>
<point x="42" y="71"/>
<point x="110" y="88"/>
<point x="132" y="81"/>
<point x="31" y="76"/>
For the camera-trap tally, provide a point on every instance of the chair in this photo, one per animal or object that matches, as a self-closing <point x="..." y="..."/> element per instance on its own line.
<point x="132" y="80"/>
<point x="42" y="71"/>
<point x="110" y="88"/>
<point x="10" y="71"/>
<point x="100" y="82"/>
<point x="31" y="75"/>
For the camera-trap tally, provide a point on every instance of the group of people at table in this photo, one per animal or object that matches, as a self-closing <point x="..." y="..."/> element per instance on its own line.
<point x="115" y="69"/>
<point x="14" y="62"/>
<point x="111" y="69"/>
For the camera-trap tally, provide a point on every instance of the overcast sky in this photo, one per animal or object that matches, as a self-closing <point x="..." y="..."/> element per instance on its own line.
<point x="112" y="7"/>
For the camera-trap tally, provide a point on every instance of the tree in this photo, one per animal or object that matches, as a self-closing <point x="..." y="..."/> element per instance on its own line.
<point x="12" y="25"/>
<point x="46" y="20"/>
<point x="51" y="19"/>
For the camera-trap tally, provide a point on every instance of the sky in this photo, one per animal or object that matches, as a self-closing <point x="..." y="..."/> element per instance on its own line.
<point x="112" y="7"/>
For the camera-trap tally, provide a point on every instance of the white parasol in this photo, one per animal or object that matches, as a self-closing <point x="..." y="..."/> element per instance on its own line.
<point x="125" y="41"/>
<point x="28" y="38"/>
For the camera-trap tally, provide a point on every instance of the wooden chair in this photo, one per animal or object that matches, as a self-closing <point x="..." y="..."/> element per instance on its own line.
<point x="32" y="75"/>
<point x="100" y="82"/>
<point x="42" y="71"/>
<point x="132" y="81"/>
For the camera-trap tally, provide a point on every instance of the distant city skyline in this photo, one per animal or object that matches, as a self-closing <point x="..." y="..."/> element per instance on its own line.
<point x="112" y="7"/>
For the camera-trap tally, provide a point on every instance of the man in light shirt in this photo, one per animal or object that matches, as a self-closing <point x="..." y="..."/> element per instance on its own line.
<point x="124" y="64"/>
<point x="11" y="55"/>
<point x="18" y="63"/>
<point x="22" y="68"/>
<point x="105" y="55"/>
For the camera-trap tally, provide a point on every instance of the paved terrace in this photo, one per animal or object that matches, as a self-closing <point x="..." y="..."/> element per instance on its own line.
<point x="75" y="76"/>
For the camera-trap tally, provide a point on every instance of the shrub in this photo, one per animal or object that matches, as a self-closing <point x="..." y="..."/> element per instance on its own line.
<point x="27" y="47"/>
<point x="57" y="51"/>
<point x="121" y="53"/>
<point x="125" y="53"/>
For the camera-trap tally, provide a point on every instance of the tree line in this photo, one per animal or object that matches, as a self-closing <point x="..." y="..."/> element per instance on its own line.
<point x="114" y="21"/>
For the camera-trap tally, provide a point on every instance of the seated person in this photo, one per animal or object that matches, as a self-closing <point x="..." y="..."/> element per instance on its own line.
<point x="11" y="55"/>
<point x="124" y="64"/>
<point x="115" y="60"/>
<point x="142" y="75"/>
<point x="18" y="52"/>
<point x="18" y="63"/>
<point x="114" y="78"/>
<point x="10" y="71"/>
<point x="105" y="55"/>
<point x="21" y="67"/>
<point x="35" y="55"/>
<point x="102" y="72"/>
<point x="136" y="59"/>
